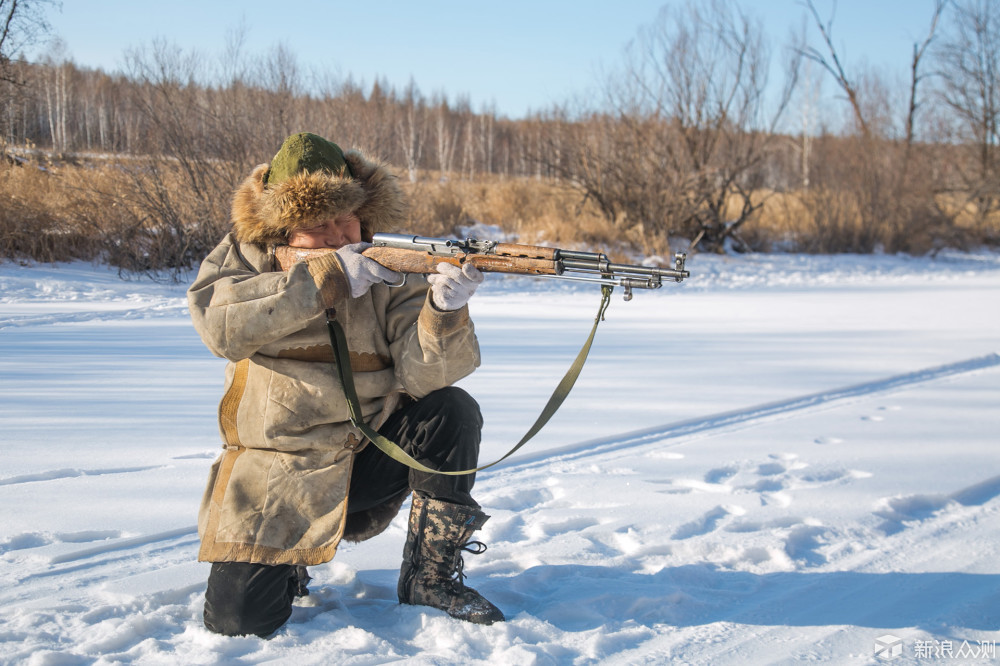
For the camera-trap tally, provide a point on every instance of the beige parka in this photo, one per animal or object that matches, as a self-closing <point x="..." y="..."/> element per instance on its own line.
<point x="278" y="492"/>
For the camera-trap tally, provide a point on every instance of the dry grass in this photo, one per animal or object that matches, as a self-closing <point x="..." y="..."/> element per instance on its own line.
<point x="536" y="211"/>
<point x="40" y="214"/>
<point x="822" y="220"/>
<point x="966" y="215"/>
<point x="137" y="217"/>
<point x="149" y="222"/>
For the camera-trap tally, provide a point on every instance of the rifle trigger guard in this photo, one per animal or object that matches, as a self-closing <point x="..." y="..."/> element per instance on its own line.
<point x="394" y="285"/>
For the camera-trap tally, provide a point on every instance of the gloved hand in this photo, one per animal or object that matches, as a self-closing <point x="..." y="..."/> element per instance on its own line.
<point x="452" y="287"/>
<point x="361" y="271"/>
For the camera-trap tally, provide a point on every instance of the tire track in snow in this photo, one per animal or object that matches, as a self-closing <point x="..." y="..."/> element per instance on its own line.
<point x="72" y="473"/>
<point x="166" y="308"/>
<point x="772" y="411"/>
<point x="76" y="573"/>
<point x="124" y="544"/>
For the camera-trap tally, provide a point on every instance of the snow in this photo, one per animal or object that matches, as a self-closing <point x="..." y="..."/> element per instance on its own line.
<point x="785" y="458"/>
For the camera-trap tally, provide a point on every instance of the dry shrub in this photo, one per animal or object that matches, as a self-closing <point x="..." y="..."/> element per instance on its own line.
<point x="436" y="209"/>
<point x="929" y="230"/>
<point x="982" y="229"/>
<point x="37" y="220"/>
<point x="142" y="216"/>
<point x="821" y="220"/>
<point x="151" y="221"/>
<point x="535" y="211"/>
<point x="830" y="222"/>
<point x="136" y="215"/>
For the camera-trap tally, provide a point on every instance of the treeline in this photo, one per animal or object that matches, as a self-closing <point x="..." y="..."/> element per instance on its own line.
<point x="689" y="144"/>
<point x="162" y="107"/>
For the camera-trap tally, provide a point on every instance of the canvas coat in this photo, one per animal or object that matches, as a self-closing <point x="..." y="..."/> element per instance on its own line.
<point x="278" y="493"/>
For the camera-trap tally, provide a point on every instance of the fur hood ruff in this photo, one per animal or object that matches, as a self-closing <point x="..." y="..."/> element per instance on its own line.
<point x="265" y="215"/>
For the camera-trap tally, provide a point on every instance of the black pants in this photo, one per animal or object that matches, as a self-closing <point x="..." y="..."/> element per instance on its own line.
<point x="442" y="431"/>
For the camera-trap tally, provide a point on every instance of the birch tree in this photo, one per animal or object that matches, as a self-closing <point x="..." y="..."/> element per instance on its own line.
<point x="969" y="64"/>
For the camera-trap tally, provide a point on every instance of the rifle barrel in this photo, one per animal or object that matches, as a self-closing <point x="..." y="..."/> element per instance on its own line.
<point x="605" y="267"/>
<point x="586" y="266"/>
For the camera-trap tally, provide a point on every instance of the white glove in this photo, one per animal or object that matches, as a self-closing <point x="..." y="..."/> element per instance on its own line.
<point x="362" y="272"/>
<point x="452" y="287"/>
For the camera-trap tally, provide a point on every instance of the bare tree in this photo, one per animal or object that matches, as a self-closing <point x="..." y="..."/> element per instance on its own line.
<point x="830" y="61"/>
<point x="891" y="210"/>
<point x="810" y="95"/>
<point x="183" y="182"/>
<point x="57" y="96"/>
<point x="486" y="138"/>
<point x="447" y="136"/>
<point x="969" y="58"/>
<point x="680" y="146"/>
<point x="22" y="24"/>
<point x="412" y="128"/>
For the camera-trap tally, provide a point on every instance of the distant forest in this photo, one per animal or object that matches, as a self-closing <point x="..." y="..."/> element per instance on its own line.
<point x="687" y="146"/>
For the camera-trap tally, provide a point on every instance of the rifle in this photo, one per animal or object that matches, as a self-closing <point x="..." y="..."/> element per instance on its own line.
<point x="415" y="254"/>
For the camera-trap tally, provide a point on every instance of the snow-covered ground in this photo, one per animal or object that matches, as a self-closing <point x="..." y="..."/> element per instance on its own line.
<point x="783" y="459"/>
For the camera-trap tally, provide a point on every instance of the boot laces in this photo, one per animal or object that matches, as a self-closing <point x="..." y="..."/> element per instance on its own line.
<point x="300" y="581"/>
<point x="474" y="547"/>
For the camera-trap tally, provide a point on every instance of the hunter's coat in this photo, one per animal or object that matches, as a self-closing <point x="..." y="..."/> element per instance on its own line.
<point x="278" y="492"/>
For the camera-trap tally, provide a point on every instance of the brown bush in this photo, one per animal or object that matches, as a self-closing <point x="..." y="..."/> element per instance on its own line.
<point x="140" y="215"/>
<point x="535" y="211"/>
<point x="36" y="215"/>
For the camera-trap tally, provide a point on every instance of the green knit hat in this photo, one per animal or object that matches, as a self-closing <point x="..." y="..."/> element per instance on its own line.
<point x="306" y="152"/>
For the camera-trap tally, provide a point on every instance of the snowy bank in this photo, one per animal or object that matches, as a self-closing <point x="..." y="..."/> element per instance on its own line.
<point x="785" y="458"/>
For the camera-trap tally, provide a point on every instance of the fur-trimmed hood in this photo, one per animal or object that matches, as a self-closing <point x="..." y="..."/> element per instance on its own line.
<point x="264" y="214"/>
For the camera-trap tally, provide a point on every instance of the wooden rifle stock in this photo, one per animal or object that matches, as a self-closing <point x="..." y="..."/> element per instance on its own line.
<point x="416" y="254"/>
<point x="520" y="259"/>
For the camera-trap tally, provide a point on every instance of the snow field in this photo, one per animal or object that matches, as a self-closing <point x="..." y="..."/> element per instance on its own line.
<point x="782" y="460"/>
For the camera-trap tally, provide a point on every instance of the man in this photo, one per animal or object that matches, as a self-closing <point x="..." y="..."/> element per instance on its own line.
<point x="296" y="476"/>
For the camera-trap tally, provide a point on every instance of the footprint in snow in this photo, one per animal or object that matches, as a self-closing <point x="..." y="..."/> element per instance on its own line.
<point x="768" y="486"/>
<point x="779" y="464"/>
<point x="552" y="528"/>
<point x="512" y="528"/>
<point x="518" y="500"/>
<point x="709" y="522"/>
<point x="771" y="469"/>
<point x="804" y="542"/>
<point x="721" y="474"/>
<point x="901" y="512"/>
<point x="898" y="512"/>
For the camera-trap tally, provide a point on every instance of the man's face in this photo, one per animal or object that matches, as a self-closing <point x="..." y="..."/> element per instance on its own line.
<point x="333" y="232"/>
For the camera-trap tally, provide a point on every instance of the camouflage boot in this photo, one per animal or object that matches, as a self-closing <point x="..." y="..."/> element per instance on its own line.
<point x="431" y="574"/>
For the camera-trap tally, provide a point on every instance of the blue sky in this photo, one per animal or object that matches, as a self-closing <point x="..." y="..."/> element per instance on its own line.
<point x="517" y="54"/>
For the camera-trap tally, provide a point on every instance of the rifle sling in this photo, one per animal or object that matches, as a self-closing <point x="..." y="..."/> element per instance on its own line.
<point x="340" y="352"/>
